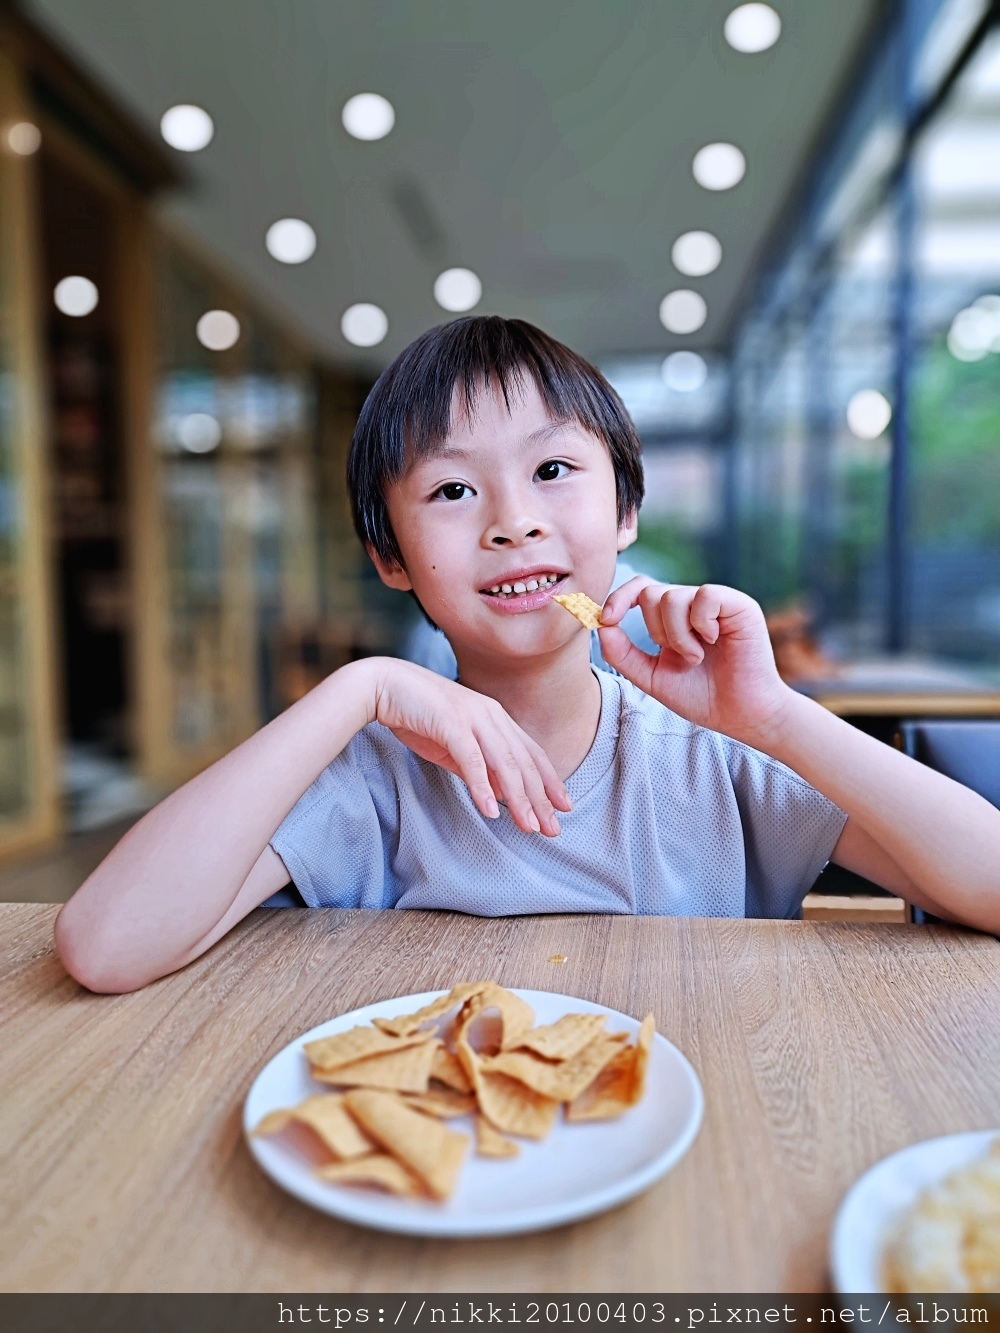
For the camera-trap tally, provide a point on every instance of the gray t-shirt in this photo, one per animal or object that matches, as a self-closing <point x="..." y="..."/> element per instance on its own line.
<point x="668" y="819"/>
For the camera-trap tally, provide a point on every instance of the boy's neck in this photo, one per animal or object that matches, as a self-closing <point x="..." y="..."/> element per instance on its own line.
<point x="556" y="699"/>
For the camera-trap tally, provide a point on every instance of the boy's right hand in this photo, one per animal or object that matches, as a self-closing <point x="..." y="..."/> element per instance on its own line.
<point x="473" y="737"/>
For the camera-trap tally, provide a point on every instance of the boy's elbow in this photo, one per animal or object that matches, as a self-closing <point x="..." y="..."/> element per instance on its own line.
<point x="96" y="967"/>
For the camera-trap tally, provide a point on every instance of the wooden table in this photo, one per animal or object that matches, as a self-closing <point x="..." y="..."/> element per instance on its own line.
<point x="820" y="1047"/>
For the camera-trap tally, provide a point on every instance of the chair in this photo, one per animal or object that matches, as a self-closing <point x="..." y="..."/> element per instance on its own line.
<point x="968" y="751"/>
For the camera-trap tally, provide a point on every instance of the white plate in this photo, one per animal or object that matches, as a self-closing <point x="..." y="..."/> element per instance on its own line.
<point x="876" y="1200"/>
<point x="577" y="1171"/>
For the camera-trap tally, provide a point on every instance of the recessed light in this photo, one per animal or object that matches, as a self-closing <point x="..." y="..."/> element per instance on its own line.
<point x="696" y="253"/>
<point x="684" y="372"/>
<point x="187" y="128"/>
<point x="75" y="296"/>
<point x="199" y="433"/>
<point x="683" y="311"/>
<point x="368" y="116"/>
<point x="24" y="138"/>
<point x="218" y="330"/>
<point x="868" y="414"/>
<point x="752" y="28"/>
<point x="457" y="289"/>
<point x="719" y="166"/>
<point x="290" y="241"/>
<point x="364" y="324"/>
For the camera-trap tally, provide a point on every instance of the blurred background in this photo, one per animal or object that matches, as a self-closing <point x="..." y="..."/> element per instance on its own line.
<point x="776" y="228"/>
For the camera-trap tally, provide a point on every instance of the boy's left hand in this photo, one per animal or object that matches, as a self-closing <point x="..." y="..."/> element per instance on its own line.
<point x="715" y="666"/>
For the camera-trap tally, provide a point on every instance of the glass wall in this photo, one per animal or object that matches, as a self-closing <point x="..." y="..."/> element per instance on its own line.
<point x="866" y="373"/>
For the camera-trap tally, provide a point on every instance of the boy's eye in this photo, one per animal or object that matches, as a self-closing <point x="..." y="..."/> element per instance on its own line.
<point x="452" y="490"/>
<point x="550" y="471"/>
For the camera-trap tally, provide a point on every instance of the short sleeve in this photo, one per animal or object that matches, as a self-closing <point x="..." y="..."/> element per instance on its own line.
<point x="333" y="839"/>
<point x="789" y="829"/>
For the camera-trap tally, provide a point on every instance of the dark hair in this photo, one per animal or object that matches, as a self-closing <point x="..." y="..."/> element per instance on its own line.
<point x="408" y="412"/>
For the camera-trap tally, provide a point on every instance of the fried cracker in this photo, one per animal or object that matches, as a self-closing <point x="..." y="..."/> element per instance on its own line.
<point x="404" y="1024"/>
<point x="344" y="1048"/>
<point x="562" y="1081"/>
<point x="506" y="1103"/>
<point x="584" y="608"/>
<point x="445" y="1103"/>
<point x="327" y="1117"/>
<point x="447" y="1068"/>
<point x="408" y="1070"/>
<point x="424" y="1146"/>
<point x="621" y="1082"/>
<point x="491" y="1143"/>
<point x="377" y="1169"/>
<point x="562" y="1039"/>
<point x="516" y="1017"/>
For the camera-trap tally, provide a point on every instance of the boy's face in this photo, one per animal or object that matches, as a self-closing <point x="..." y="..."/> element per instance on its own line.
<point x="512" y="498"/>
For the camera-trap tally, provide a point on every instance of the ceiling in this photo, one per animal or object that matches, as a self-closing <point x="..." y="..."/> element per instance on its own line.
<point x="547" y="145"/>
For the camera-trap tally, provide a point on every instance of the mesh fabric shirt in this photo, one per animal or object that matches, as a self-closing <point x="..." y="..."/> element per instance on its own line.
<point x="668" y="819"/>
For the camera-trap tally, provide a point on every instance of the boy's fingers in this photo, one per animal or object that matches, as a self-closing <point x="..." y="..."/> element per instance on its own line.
<point x="706" y="608"/>
<point x="675" y="608"/>
<point x="555" y="788"/>
<point x="506" y="771"/>
<point x="625" y="597"/>
<point x="472" y="769"/>
<point x="621" y="653"/>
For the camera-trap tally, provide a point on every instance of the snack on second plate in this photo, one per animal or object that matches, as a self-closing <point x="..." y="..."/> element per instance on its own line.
<point x="578" y="604"/>
<point x="950" y="1239"/>
<point x="473" y="1051"/>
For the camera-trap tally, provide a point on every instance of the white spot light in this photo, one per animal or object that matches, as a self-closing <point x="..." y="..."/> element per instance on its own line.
<point x="24" y="138"/>
<point x="457" y="289"/>
<point x="368" y="116"/>
<point x="364" y="324"/>
<point x="218" y="330"/>
<point x="187" y="128"/>
<point x="683" y="311"/>
<point x="752" y="28"/>
<point x="696" y="253"/>
<point x="75" y="296"/>
<point x="719" y="166"/>
<point x="684" y="372"/>
<point x="199" y="433"/>
<point x="868" y="414"/>
<point x="290" y="241"/>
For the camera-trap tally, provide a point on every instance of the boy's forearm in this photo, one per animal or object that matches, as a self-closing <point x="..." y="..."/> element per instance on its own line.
<point x="177" y="872"/>
<point x="943" y="836"/>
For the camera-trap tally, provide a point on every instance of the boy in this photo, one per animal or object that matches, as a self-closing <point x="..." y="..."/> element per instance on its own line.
<point x="492" y="467"/>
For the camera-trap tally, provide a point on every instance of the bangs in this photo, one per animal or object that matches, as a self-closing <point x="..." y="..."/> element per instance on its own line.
<point x="408" y="414"/>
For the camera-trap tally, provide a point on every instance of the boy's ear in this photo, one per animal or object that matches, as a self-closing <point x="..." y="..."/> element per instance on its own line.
<point x="393" y="576"/>
<point x="629" y="530"/>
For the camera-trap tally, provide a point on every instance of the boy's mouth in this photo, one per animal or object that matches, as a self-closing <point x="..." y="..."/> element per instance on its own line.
<point x="524" y="592"/>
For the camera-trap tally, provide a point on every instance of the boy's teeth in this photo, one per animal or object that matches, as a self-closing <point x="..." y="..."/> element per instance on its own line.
<point x="520" y="587"/>
<point x="506" y="588"/>
<point x="496" y="589"/>
<point x="531" y="585"/>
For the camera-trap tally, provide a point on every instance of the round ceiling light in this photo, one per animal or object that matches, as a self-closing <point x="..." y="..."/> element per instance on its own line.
<point x="199" y="433"/>
<point x="187" y="128"/>
<point x="290" y="241"/>
<point x="364" y="325"/>
<point x="752" y="28"/>
<point x="218" y="330"/>
<point x="868" y="414"/>
<point x="75" y="296"/>
<point x="24" y="138"/>
<point x="696" y="253"/>
<point x="719" y="166"/>
<point x="368" y="116"/>
<point x="683" y="311"/>
<point x="684" y="372"/>
<point x="457" y="289"/>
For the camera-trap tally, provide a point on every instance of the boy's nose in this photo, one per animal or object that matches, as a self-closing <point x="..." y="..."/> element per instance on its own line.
<point x="514" y="533"/>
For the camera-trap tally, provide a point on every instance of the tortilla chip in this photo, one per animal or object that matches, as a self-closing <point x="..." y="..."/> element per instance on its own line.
<point x="564" y="1038"/>
<point x="431" y="1151"/>
<point x="327" y="1117"/>
<point x="584" y="608"/>
<point x="447" y="1068"/>
<point x="515" y="1017"/>
<point x="404" y="1024"/>
<point x="490" y="1143"/>
<point x="563" y="1081"/>
<point x="378" y="1169"/>
<point x="445" y="1103"/>
<point x="621" y="1082"/>
<point x="408" y="1070"/>
<point x="344" y="1048"/>
<point x="506" y="1103"/>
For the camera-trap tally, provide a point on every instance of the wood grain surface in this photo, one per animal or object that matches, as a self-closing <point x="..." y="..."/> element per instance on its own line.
<point x="821" y="1047"/>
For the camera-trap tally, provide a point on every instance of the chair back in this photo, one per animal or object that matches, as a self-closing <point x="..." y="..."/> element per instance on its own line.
<point x="968" y="751"/>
